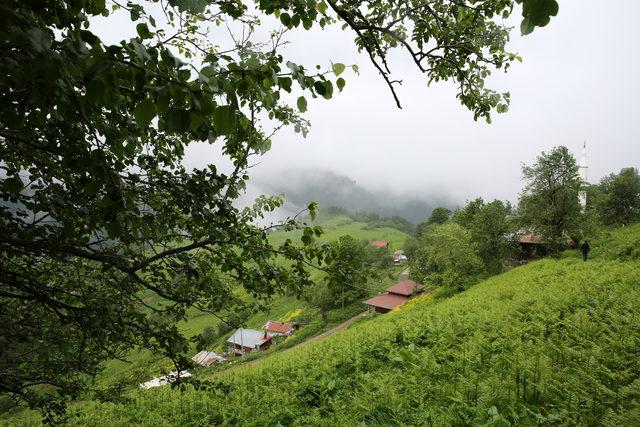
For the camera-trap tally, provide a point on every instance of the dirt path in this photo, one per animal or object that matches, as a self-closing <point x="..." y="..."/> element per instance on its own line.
<point x="333" y="330"/>
<point x="323" y="335"/>
<point x="403" y="275"/>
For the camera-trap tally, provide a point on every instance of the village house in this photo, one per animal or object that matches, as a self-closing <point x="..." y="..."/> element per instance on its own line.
<point x="380" y="244"/>
<point x="399" y="257"/>
<point x="248" y="340"/>
<point x="395" y="296"/>
<point x="273" y="327"/>
<point x="531" y="246"/>
<point x="207" y="358"/>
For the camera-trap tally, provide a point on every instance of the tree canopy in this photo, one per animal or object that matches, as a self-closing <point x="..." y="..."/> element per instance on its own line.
<point x="549" y="203"/>
<point x="491" y="229"/>
<point x="439" y="215"/>
<point x="447" y="257"/>
<point x="346" y="270"/>
<point x="97" y="206"/>
<point x="620" y="202"/>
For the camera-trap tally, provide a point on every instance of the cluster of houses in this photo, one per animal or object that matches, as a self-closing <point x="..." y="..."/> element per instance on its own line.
<point x="399" y="257"/>
<point x="244" y="341"/>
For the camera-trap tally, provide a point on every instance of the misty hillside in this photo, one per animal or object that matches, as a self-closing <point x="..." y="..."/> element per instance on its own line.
<point x="301" y="186"/>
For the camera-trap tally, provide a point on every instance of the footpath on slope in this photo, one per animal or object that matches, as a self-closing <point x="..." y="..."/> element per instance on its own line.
<point x="323" y="335"/>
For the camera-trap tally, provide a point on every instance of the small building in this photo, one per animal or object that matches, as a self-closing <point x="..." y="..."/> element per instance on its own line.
<point x="399" y="257"/>
<point x="531" y="245"/>
<point x="380" y="244"/>
<point x="395" y="296"/>
<point x="406" y="288"/>
<point x="248" y="340"/>
<point x="273" y="327"/>
<point x="207" y="358"/>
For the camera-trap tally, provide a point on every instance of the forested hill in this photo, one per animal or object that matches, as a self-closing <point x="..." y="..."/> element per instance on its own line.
<point x="552" y="342"/>
<point x="333" y="190"/>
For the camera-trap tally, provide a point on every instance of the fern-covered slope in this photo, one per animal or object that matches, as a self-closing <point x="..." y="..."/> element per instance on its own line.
<point x="553" y="342"/>
<point x="618" y="243"/>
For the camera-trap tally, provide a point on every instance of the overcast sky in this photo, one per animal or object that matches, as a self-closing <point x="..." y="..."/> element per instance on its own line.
<point x="579" y="81"/>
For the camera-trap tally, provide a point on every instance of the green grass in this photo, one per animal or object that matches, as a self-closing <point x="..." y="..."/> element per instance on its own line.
<point x="341" y="225"/>
<point x="555" y="342"/>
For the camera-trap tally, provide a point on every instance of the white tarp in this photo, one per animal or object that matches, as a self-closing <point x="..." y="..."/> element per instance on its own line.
<point x="165" y="379"/>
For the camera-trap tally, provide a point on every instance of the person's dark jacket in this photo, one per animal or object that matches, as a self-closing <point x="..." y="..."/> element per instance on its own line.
<point x="585" y="248"/>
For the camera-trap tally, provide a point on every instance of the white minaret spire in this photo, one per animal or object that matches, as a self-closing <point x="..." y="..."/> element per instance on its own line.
<point x="584" y="169"/>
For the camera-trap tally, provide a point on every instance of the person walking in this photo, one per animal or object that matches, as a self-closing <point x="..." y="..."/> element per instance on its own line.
<point x="585" y="250"/>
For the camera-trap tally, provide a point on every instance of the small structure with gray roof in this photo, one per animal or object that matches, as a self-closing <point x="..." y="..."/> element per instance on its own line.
<point x="248" y="340"/>
<point x="207" y="358"/>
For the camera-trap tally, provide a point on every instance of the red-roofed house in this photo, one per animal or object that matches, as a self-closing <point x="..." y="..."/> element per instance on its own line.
<point x="380" y="244"/>
<point x="407" y="288"/>
<point x="396" y="295"/>
<point x="278" y="328"/>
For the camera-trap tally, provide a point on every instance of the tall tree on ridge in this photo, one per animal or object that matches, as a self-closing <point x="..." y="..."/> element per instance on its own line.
<point x="549" y="203"/>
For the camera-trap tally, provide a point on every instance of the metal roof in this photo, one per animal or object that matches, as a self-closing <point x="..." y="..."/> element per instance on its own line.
<point x="380" y="243"/>
<point x="405" y="287"/>
<point x="207" y="358"/>
<point x="388" y="301"/>
<point x="279" y="327"/>
<point x="248" y="338"/>
<point x="531" y="238"/>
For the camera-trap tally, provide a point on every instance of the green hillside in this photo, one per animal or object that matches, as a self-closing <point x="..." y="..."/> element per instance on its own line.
<point x="341" y="225"/>
<point x="553" y="342"/>
<point x="618" y="243"/>
<point x="142" y="366"/>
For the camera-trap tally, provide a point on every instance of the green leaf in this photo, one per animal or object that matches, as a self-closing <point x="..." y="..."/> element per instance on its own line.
<point x="340" y="83"/>
<point x="39" y="39"/>
<point x="325" y="89"/>
<point x="312" y="207"/>
<point x="302" y="104"/>
<point x="526" y="27"/>
<point x="13" y="185"/>
<point x="95" y="91"/>
<point x="320" y="88"/>
<point x="144" y="112"/>
<point x="143" y="31"/>
<point x="537" y="13"/>
<point x="285" y="19"/>
<point x="338" y="68"/>
<point x="285" y="83"/>
<point x="224" y="119"/>
<point x="192" y="6"/>
<point x="178" y="120"/>
<point x="196" y="121"/>
<point x="502" y="108"/>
